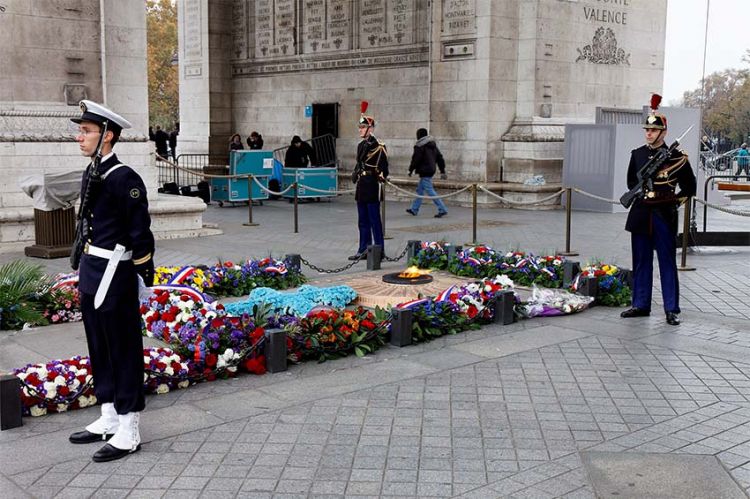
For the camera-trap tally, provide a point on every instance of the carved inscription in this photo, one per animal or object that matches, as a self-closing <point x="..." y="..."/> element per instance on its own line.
<point x="459" y="17"/>
<point x="603" y="48"/>
<point x="239" y="29"/>
<point x="275" y="28"/>
<point x="607" y="11"/>
<point x="193" y="23"/>
<point x="326" y="25"/>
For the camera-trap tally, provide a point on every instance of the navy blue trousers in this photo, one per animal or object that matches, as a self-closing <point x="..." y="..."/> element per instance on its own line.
<point x="662" y="240"/>
<point x="370" y="226"/>
<point x="113" y="334"/>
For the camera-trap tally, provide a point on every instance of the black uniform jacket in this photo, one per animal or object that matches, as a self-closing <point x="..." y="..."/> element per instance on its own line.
<point x="663" y="200"/>
<point x="117" y="212"/>
<point x="372" y="162"/>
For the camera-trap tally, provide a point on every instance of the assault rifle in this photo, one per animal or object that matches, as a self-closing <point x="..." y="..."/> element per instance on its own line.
<point x="647" y="172"/>
<point x="92" y="177"/>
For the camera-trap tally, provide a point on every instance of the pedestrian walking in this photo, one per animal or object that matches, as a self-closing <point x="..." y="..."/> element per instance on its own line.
<point x="114" y="250"/>
<point x="370" y="171"/>
<point x="743" y="161"/>
<point x="425" y="157"/>
<point x="652" y="221"/>
<point x="162" y="140"/>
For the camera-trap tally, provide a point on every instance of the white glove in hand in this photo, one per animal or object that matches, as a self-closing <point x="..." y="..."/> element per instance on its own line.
<point x="144" y="292"/>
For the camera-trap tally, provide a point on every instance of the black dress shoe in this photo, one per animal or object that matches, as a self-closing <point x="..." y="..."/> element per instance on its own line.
<point x="673" y="319"/>
<point x="635" y="312"/>
<point x="110" y="453"/>
<point x="358" y="256"/>
<point x="86" y="437"/>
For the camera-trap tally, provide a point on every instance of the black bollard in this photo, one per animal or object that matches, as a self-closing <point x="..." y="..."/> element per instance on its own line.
<point x="589" y="286"/>
<point x="295" y="261"/>
<point x="275" y="350"/>
<point x="374" y="256"/>
<point x="570" y="270"/>
<point x="505" y="302"/>
<point x="412" y="249"/>
<point x="10" y="402"/>
<point x="452" y="249"/>
<point x="401" y="327"/>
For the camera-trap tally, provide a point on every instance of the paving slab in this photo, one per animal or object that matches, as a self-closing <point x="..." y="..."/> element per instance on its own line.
<point x="530" y="339"/>
<point x="636" y="475"/>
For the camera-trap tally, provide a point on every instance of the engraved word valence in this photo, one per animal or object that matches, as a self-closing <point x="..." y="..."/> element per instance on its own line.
<point x="603" y="49"/>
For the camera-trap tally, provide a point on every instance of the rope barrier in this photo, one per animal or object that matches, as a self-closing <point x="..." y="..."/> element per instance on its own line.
<point x="521" y="203"/>
<point x="313" y="189"/>
<point x="740" y="213"/>
<point x="412" y="194"/>
<point x="269" y="191"/>
<point x="200" y="172"/>
<point x="594" y="196"/>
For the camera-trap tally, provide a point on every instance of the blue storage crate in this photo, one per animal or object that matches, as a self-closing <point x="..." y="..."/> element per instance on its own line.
<point x="234" y="190"/>
<point x="320" y="179"/>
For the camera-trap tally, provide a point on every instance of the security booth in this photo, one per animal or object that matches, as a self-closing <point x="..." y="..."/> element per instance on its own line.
<point x="54" y="196"/>
<point x="257" y="163"/>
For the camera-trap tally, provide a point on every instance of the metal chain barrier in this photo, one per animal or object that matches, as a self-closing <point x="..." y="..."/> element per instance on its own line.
<point x="594" y="196"/>
<point x="399" y="257"/>
<point x="740" y="213"/>
<point x="333" y="271"/>
<point x="415" y="195"/>
<point x="521" y="203"/>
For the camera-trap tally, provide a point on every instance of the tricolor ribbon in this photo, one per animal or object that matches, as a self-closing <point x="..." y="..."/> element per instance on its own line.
<point x="181" y="275"/>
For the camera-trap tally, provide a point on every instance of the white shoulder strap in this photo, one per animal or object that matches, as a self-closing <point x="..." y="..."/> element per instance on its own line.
<point x="106" y="174"/>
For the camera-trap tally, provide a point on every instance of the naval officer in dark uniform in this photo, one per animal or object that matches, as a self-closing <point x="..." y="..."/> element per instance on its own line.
<point x="118" y="251"/>
<point x="371" y="170"/>
<point x="652" y="221"/>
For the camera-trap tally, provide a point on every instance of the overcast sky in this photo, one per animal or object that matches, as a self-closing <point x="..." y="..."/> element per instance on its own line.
<point x="728" y="39"/>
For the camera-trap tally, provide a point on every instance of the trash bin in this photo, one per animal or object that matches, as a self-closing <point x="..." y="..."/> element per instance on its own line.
<point x="54" y="195"/>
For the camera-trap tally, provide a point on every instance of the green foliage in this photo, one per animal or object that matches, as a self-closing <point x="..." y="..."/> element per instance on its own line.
<point x="163" y="77"/>
<point x="726" y="103"/>
<point x="19" y="283"/>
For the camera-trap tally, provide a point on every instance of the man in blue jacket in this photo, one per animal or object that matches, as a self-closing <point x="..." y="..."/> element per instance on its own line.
<point x="743" y="161"/>
<point x="426" y="155"/>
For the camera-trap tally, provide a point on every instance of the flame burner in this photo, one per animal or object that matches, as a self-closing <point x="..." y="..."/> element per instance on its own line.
<point x="411" y="279"/>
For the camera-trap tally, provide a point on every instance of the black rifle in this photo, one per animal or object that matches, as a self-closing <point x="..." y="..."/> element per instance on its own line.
<point x="92" y="177"/>
<point x="648" y="171"/>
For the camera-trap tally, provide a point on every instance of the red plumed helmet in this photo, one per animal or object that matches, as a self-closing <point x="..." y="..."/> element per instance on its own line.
<point x="655" y="101"/>
<point x="364" y="120"/>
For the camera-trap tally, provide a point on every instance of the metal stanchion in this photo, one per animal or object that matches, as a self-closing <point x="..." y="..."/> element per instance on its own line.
<point x="249" y="202"/>
<point x="568" y="210"/>
<point x="474" y="214"/>
<point x="296" y="199"/>
<point x="685" y="235"/>
<point x="382" y="211"/>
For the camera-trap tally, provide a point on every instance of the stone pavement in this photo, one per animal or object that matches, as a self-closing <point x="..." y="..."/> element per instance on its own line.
<point x="525" y="410"/>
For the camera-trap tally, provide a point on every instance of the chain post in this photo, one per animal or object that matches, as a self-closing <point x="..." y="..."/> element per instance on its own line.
<point x="296" y="204"/>
<point x="249" y="222"/>
<point x="382" y="211"/>
<point x="568" y="211"/>
<point x="685" y="234"/>
<point x="474" y="214"/>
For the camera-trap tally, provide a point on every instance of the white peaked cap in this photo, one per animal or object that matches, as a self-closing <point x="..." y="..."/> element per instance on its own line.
<point x="99" y="114"/>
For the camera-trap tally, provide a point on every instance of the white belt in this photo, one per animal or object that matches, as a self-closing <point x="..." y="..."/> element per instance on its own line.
<point x="105" y="253"/>
<point x="113" y="259"/>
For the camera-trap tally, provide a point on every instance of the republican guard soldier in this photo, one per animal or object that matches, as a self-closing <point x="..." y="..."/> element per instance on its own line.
<point x="115" y="247"/>
<point x="370" y="171"/>
<point x="652" y="221"/>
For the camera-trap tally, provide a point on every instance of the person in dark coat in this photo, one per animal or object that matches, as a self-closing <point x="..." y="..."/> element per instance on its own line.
<point x="652" y="221"/>
<point x="173" y="141"/>
<point x="370" y="171"/>
<point x="162" y="139"/>
<point x="255" y="141"/>
<point x="235" y="143"/>
<point x="300" y="154"/>
<point x="117" y="255"/>
<point x="425" y="157"/>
